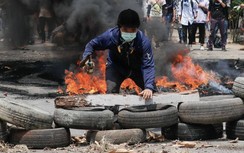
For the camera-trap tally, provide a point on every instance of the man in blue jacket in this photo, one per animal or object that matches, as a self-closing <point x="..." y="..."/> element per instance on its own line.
<point x="130" y="54"/>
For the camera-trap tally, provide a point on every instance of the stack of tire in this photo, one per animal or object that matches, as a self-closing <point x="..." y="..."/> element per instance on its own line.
<point x="133" y="122"/>
<point x="116" y="125"/>
<point x="204" y="119"/>
<point x="30" y="126"/>
<point x="235" y="129"/>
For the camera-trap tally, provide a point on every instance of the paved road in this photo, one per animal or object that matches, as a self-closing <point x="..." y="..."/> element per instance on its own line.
<point x="49" y="53"/>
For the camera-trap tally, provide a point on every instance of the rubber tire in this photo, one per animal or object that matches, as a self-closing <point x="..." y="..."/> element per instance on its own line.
<point x="39" y="139"/>
<point x="129" y="136"/>
<point x="133" y="118"/>
<point x="3" y="131"/>
<point x="235" y="129"/>
<point x="238" y="87"/>
<point x="216" y="97"/>
<point x="211" y="112"/>
<point x="84" y="119"/>
<point x="25" y="116"/>
<point x="191" y="132"/>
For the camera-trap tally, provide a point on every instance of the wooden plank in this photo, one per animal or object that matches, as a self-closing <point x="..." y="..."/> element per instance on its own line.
<point x="124" y="100"/>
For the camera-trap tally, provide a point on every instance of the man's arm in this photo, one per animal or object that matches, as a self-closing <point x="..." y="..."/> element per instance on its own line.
<point x="222" y="3"/>
<point x="148" y="66"/>
<point x="99" y="43"/>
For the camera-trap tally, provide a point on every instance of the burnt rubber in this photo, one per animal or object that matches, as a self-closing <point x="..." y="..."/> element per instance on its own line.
<point x="94" y="119"/>
<point x="148" y="116"/>
<point x="191" y="132"/>
<point x="39" y="139"/>
<point x="129" y="136"/>
<point x="238" y="87"/>
<point x="211" y="112"/>
<point x="3" y="131"/>
<point x="235" y="129"/>
<point x="22" y="115"/>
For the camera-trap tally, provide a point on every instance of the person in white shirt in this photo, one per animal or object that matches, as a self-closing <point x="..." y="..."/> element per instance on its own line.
<point x="187" y="14"/>
<point x="200" y="21"/>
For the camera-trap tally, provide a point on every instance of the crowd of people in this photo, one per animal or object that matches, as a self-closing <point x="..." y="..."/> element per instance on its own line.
<point x="193" y="15"/>
<point x="21" y="26"/>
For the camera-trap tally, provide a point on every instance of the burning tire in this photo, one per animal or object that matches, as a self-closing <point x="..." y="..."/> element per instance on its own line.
<point x="211" y="112"/>
<point x="3" y="131"/>
<point x="148" y="116"/>
<point x="89" y="118"/>
<point x="190" y="132"/>
<point x="39" y="139"/>
<point x="25" y="116"/>
<point x="130" y="136"/>
<point x="238" y="87"/>
<point x="235" y="129"/>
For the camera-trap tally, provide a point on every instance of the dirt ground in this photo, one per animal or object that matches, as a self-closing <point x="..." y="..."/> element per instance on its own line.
<point x="33" y="76"/>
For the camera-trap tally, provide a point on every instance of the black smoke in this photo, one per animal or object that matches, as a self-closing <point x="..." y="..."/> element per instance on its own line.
<point x="17" y="21"/>
<point x="91" y="18"/>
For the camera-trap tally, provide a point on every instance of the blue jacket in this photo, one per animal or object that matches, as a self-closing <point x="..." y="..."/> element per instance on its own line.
<point x="140" y="60"/>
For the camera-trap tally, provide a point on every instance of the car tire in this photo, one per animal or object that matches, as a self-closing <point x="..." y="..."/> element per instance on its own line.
<point x="191" y="132"/>
<point x="211" y="112"/>
<point x="42" y="138"/>
<point x="148" y="116"/>
<point x="235" y="129"/>
<point x="25" y="116"/>
<point x="3" y="131"/>
<point x="89" y="118"/>
<point x="238" y="87"/>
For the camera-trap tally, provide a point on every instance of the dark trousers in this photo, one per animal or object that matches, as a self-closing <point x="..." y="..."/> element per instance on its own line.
<point x="114" y="79"/>
<point x="168" y="21"/>
<point x="185" y="30"/>
<point x="201" y="27"/>
<point x="222" y="27"/>
<point x="42" y="22"/>
<point x="226" y="24"/>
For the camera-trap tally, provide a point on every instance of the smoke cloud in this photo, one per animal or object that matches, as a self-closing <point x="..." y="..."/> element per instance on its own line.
<point x="17" y="21"/>
<point x="92" y="17"/>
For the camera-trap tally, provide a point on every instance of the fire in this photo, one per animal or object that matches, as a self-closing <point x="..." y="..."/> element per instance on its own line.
<point x="83" y="83"/>
<point x="186" y="74"/>
<point x="130" y="84"/>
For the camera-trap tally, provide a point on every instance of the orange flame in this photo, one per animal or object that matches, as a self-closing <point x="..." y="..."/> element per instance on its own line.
<point x="84" y="83"/>
<point x="186" y="74"/>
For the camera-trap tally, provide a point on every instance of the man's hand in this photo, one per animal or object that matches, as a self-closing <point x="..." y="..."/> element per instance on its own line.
<point x="146" y="94"/>
<point x="220" y="1"/>
<point x="83" y="62"/>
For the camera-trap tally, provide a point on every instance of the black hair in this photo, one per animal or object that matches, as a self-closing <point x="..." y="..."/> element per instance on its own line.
<point x="128" y="18"/>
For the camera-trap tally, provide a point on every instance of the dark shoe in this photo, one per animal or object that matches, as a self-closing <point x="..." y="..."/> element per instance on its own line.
<point x="224" y="49"/>
<point x="210" y="49"/>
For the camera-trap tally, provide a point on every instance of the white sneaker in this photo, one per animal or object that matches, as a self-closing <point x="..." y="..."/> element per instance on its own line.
<point x="191" y="48"/>
<point x="202" y="48"/>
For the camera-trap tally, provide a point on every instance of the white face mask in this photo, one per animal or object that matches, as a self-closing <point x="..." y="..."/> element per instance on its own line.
<point x="128" y="36"/>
